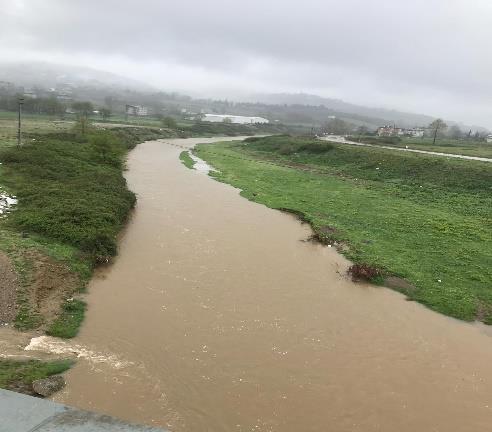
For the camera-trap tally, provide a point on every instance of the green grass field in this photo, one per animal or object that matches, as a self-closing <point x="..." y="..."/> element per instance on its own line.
<point x="424" y="219"/>
<point x="465" y="147"/>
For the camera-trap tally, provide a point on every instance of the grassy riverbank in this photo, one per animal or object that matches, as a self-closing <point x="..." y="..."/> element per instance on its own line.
<point x="424" y="219"/>
<point x="72" y="202"/>
<point x="19" y="375"/>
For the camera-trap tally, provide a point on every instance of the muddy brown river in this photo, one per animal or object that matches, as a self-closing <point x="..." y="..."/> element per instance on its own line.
<point x="218" y="316"/>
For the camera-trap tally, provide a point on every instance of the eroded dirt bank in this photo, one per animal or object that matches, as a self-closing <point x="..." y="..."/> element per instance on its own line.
<point x="217" y="317"/>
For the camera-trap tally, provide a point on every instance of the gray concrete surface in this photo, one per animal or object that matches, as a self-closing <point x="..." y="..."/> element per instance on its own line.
<point x="21" y="413"/>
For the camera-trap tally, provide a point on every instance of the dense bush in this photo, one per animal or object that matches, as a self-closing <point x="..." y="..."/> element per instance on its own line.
<point x="287" y="145"/>
<point x="71" y="190"/>
<point x="131" y="136"/>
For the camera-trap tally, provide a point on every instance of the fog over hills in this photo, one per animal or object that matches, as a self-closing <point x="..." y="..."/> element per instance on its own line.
<point x="48" y="75"/>
<point x="391" y="116"/>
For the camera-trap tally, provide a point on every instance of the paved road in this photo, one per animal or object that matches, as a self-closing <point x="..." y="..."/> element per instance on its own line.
<point x="21" y="413"/>
<point x="342" y="140"/>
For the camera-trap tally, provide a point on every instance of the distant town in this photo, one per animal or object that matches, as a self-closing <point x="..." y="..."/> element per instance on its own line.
<point x="109" y="102"/>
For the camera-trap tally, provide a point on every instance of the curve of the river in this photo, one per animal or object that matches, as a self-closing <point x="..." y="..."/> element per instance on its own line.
<point x="217" y="316"/>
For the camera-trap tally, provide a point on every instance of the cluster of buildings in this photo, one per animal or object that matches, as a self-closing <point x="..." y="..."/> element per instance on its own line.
<point x="226" y="118"/>
<point x="391" y="130"/>
<point x="62" y="93"/>
<point x="136" y="110"/>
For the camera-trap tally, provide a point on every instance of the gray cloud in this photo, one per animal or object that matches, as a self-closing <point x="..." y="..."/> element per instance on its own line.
<point x="428" y="56"/>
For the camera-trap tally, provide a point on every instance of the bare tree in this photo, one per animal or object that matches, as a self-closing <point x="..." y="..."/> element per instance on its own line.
<point x="437" y="126"/>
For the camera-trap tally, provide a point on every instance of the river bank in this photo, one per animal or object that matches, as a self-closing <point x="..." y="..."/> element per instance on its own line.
<point x="419" y="218"/>
<point x="72" y="202"/>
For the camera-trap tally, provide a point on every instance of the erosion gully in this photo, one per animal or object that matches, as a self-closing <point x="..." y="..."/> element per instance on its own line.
<point x="217" y="315"/>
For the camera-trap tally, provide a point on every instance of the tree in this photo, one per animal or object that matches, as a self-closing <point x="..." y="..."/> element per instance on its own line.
<point x="83" y="110"/>
<point x="437" y="126"/>
<point x="227" y="120"/>
<point x="455" y="132"/>
<point x="105" y="113"/>
<point x="336" y="126"/>
<point x="169" y="123"/>
<point x="109" y="101"/>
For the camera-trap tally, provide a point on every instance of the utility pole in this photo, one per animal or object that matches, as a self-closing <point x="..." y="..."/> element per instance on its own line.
<point x="19" y="136"/>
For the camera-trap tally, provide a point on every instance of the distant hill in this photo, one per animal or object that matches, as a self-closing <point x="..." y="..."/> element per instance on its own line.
<point x="301" y="109"/>
<point x="344" y="108"/>
<point x="31" y="74"/>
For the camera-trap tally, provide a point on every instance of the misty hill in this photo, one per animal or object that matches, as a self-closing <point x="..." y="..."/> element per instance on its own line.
<point x="345" y="109"/>
<point x="115" y="91"/>
<point x="40" y="74"/>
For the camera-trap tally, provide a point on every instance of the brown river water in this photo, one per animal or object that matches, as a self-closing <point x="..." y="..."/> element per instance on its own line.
<point x="218" y="316"/>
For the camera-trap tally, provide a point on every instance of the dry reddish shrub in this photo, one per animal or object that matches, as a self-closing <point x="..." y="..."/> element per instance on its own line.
<point x="364" y="272"/>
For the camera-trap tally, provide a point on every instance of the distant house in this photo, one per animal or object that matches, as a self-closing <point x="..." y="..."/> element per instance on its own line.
<point x="220" y="118"/>
<point x="137" y="110"/>
<point x="489" y="138"/>
<point x="415" y="133"/>
<point x="65" y="96"/>
<point x="390" y="130"/>
<point x="30" y="93"/>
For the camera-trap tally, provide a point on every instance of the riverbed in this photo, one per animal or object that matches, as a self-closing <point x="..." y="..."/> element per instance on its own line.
<point x="218" y="315"/>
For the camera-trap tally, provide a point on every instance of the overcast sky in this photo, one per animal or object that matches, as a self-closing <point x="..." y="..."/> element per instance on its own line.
<point x="425" y="56"/>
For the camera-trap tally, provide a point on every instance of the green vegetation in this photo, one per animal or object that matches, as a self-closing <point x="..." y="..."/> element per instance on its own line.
<point x="19" y="375"/>
<point x="73" y="201"/>
<point x="70" y="189"/>
<point x="467" y="147"/>
<point x="188" y="162"/>
<point x="68" y="322"/>
<point x="208" y="129"/>
<point x="424" y="219"/>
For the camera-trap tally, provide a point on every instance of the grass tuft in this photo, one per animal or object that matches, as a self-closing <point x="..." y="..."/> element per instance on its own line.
<point x="188" y="162"/>
<point x="68" y="323"/>
<point x="19" y="375"/>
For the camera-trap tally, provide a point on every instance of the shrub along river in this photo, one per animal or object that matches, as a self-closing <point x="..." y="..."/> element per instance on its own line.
<point x="217" y="315"/>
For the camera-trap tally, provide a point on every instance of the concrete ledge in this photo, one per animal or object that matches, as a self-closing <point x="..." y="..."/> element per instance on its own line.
<point x="21" y="413"/>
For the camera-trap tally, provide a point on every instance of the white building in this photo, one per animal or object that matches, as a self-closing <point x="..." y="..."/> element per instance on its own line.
<point x="220" y="118"/>
<point x="137" y="110"/>
<point x="389" y="130"/>
<point x="489" y="138"/>
<point x="415" y="133"/>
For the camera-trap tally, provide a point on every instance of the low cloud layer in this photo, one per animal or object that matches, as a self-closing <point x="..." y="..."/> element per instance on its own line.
<point x="427" y="56"/>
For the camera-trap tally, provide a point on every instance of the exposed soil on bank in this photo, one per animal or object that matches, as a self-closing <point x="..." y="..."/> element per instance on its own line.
<point x="8" y="290"/>
<point x="52" y="283"/>
<point x="41" y="294"/>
